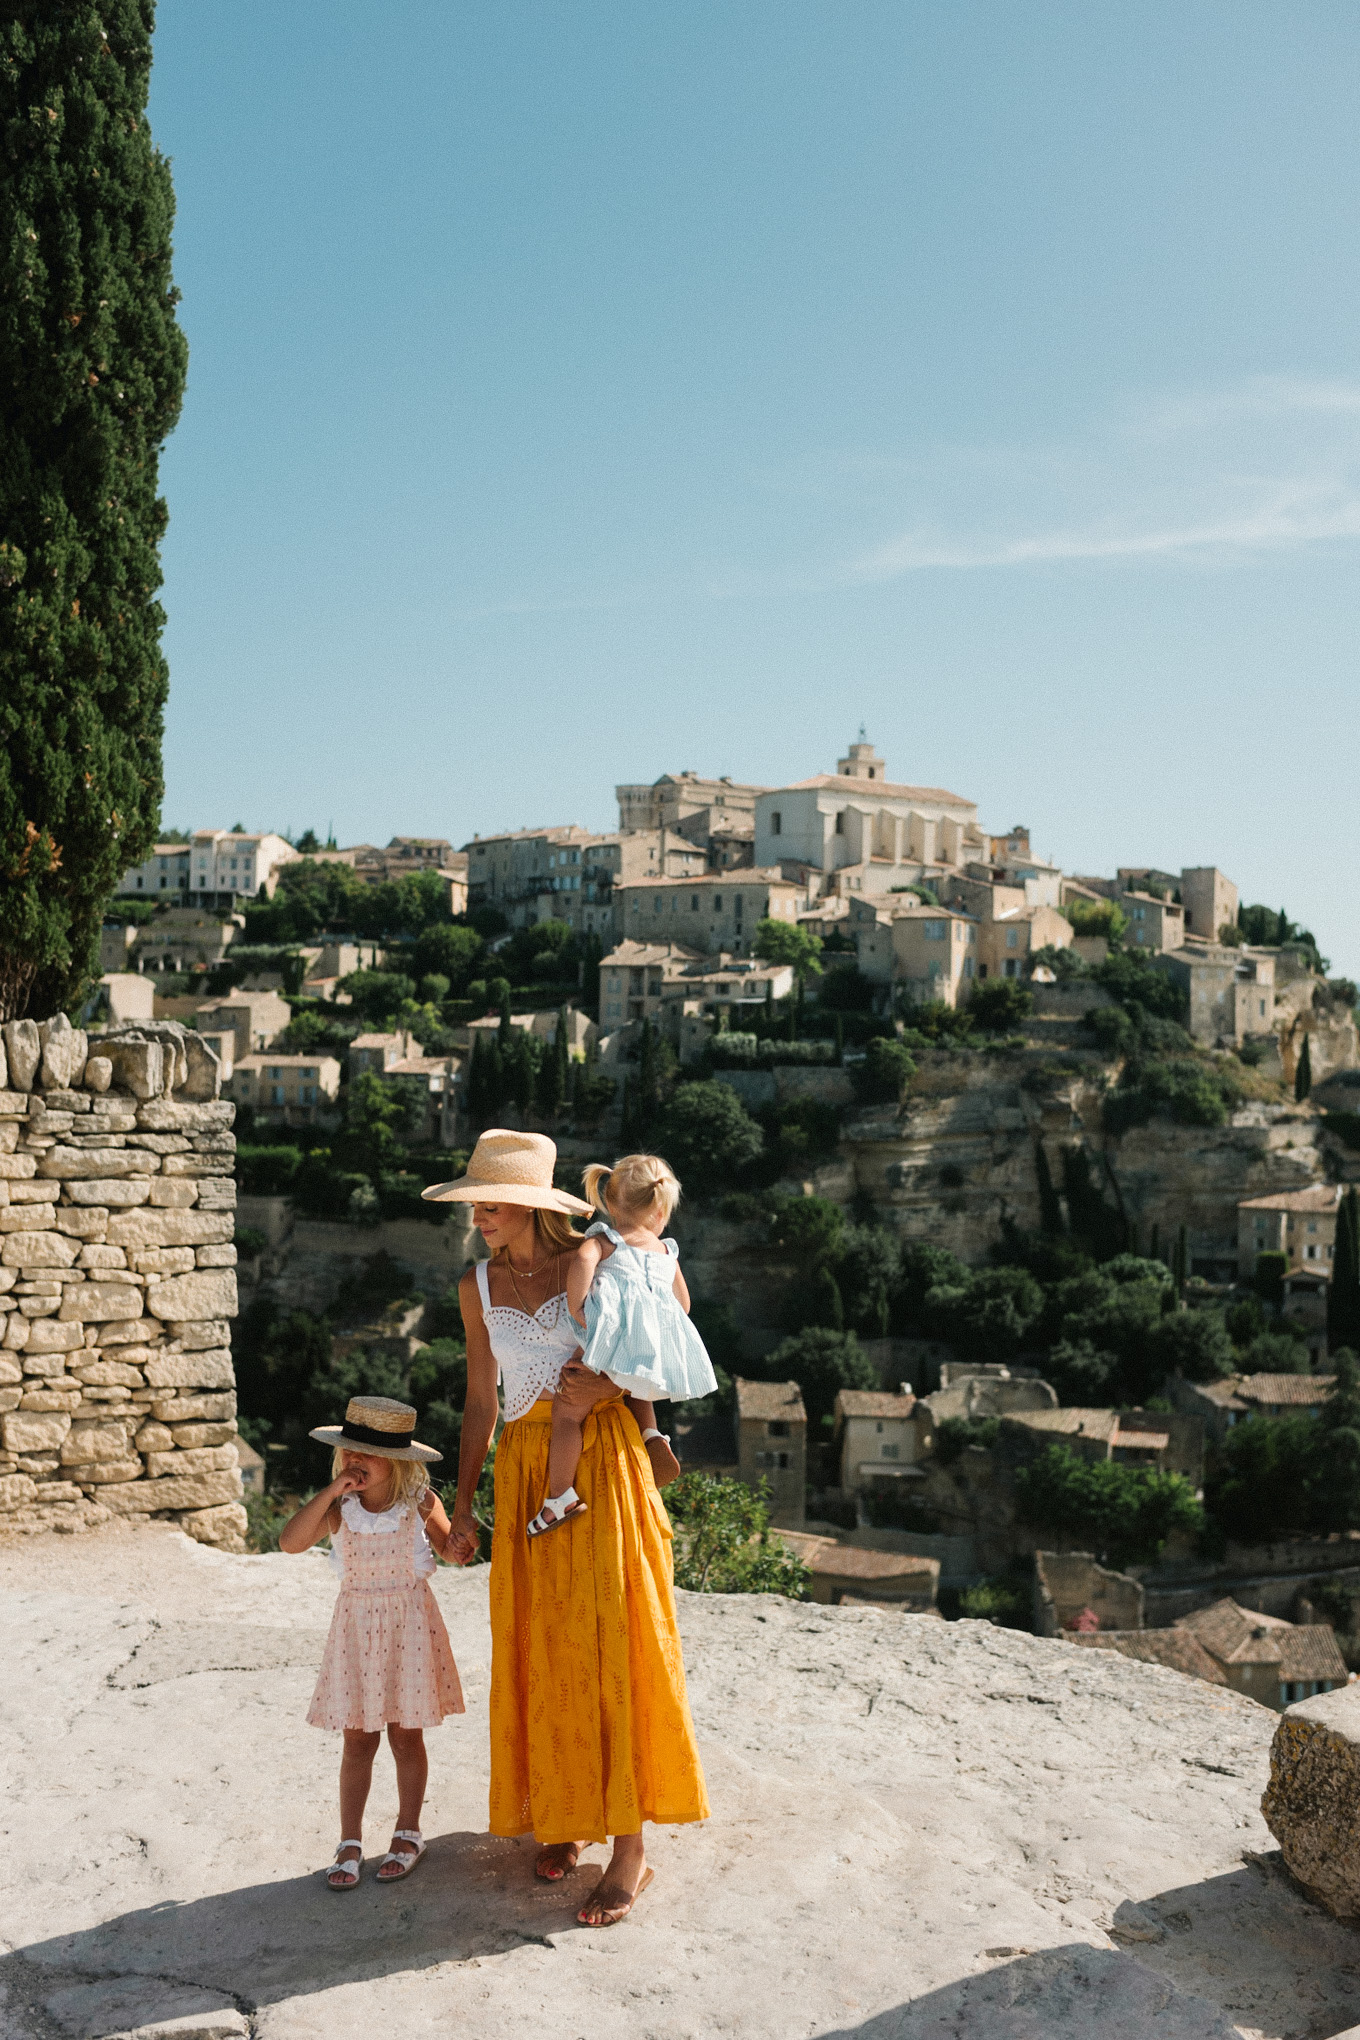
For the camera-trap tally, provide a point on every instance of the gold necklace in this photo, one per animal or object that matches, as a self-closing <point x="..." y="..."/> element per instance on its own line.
<point x="529" y="1276"/>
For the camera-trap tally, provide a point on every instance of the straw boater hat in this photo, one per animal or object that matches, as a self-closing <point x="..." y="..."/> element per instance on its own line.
<point x="509" y="1168"/>
<point x="374" y="1423"/>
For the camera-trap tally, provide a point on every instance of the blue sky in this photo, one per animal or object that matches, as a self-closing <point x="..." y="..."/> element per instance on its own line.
<point x="581" y="392"/>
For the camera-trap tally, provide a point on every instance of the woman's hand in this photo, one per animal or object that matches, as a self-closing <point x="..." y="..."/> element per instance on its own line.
<point x="463" y="1541"/>
<point x="580" y="1388"/>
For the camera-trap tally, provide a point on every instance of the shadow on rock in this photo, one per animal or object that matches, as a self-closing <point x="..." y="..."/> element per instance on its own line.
<point x="471" y="1896"/>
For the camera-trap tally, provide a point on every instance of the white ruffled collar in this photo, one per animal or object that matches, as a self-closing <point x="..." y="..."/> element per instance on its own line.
<point x="370" y="1522"/>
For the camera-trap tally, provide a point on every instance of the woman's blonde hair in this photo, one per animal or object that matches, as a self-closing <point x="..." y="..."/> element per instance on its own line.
<point x="410" y="1477"/>
<point x="633" y="1189"/>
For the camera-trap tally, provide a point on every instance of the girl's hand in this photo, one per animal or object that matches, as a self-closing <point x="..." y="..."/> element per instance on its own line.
<point x="352" y="1481"/>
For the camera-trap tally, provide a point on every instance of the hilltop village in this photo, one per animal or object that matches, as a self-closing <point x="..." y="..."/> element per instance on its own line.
<point x="1018" y="1207"/>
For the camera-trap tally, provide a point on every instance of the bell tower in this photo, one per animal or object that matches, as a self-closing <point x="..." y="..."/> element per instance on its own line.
<point x="861" y="761"/>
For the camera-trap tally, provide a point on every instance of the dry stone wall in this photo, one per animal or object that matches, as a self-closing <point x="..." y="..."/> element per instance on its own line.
<point x="117" y="1281"/>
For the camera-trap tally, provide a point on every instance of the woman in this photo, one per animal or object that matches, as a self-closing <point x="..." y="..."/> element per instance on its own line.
<point x="590" y="1727"/>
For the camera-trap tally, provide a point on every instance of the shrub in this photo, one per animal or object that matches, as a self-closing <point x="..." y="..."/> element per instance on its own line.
<point x="822" y="1361"/>
<point x="1124" y="1514"/>
<point x="989" y="1314"/>
<point x="954" y="1436"/>
<point x="998" y="1006"/>
<point x="1004" y="1602"/>
<point x="884" y="1074"/>
<point x="723" y="1543"/>
<point x="1194" y="1343"/>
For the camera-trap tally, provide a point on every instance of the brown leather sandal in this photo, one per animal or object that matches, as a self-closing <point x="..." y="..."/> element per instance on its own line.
<point x="613" y="1901"/>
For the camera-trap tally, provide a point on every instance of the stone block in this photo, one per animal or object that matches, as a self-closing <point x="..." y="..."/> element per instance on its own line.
<point x="1309" y="1804"/>
<point x="17" y="1490"/>
<point x="168" y="1260"/>
<point x="16" y="1168"/>
<point x="224" y="1527"/>
<point x="68" y="1101"/>
<point x="205" y="1459"/>
<point x="40" y="1367"/>
<point x="51" y="1493"/>
<point x="169" y="1229"/>
<point x="8" y="1278"/>
<point x="96" y="1302"/>
<point x="95" y="1472"/>
<point x="191" y="1491"/>
<point x="131" y="1190"/>
<point x="138" y="1066"/>
<point x="198" y="1165"/>
<point x="109" y="1120"/>
<point x="40" y="1305"/>
<point x="82" y="1221"/>
<point x="216" y="1193"/>
<point x="98" y="1073"/>
<point x="23" y="1052"/>
<point x="215" y="1257"/>
<point x="26" y="1218"/>
<point x="106" y="1373"/>
<point x="161" y="1143"/>
<point x="44" y="1124"/>
<point x="73" y="1163"/>
<point x="93" y="1143"/>
<point x="9" y="1136"/>
<point x="219" y="1142"/>
<point x="10" y="1369"/>
<point x="184" y="1409"/>
<point x="189" y="1437"/>
<point x="204" y="1080"/>
<point x="153" y="1437"/>
<point x="67" y="1399"/>
<point x="210" y="1368"/>
<point x="43" y="1432"/>
<point x="131" y="1333"/>
<point x="39" y="1464"/>
<point x="86" y="1443"/>
<point x="173" y="1194"/>
<point x="165" y="1115"/>
<point x="13" y="1104"/>
<point x="16" y="1331"/>
<point x="33" y="1191"/>
<point x="38" y="1249"/>
<point x="10" y="1399"/>
<point x="209" y="1294"/>
<point x="95" y="1256"/>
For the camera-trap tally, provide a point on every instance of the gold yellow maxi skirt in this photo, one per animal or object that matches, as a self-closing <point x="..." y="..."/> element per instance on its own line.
<point x="590" y="1726"/>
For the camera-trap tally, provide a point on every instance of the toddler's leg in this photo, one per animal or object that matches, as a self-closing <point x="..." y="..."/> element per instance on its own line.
<point x="665" y="1465"/>
<point x="564" y="1456"/>
<point x="356" y="1776"/>
<point x="413" y="1770"/>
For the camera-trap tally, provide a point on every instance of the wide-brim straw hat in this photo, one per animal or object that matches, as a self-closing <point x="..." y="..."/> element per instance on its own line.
<point x="374" y="1423"/>
<point x="510" y="1168"/>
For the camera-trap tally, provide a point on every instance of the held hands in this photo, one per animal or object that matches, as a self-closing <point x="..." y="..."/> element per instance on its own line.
<point x="463" y="1542"/>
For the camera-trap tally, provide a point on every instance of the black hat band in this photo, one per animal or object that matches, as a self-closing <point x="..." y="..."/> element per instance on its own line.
<point x="363" y="1434"/>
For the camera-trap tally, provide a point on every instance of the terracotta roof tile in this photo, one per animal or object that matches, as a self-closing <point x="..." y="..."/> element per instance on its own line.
<point x="777" y="1401"/>
<point x="1293" y="1391"/>
<point x="1317" y="1197"/>
<point x="872" y="1402"/>
<point x="1177" y="1648"/>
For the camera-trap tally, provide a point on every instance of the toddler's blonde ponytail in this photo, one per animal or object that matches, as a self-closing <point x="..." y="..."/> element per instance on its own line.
<point x="592" y="1176"/>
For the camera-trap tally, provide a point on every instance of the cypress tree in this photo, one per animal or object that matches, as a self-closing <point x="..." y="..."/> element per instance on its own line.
<point x="1180" y="1260"/>
<point x="1343" y="1295"/>
<point x="93" y="364"/>
<point x="1050" y="1204"/>
<point x="1303" y="1073"/>
<point x="840" y="1039"/>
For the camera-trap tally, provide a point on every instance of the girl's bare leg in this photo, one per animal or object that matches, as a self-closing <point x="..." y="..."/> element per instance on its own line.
<point x="564" y="1448"/>
<point x="413" y="1770"/>
<point x="356" y="1776"/>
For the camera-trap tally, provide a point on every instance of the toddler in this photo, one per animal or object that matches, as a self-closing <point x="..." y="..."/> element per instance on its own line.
<point x="625" y="1283"/>
<point x="388" y="1662"/>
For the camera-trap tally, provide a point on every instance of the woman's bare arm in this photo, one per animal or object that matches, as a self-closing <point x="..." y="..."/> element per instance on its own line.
<point x="480" y="1411"/>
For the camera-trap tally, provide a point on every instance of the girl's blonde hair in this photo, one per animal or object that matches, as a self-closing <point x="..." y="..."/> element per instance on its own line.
<point x="410" y="1477"/>
<point x="633" y="1189"/>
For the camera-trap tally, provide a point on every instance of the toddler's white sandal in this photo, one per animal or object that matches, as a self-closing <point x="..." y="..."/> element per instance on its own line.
<point x="556" y="1512"/>
<point x="349" y="1873"/>
<point x="407" y="1858"/>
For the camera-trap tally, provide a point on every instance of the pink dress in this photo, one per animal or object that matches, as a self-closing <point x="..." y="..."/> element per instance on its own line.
<point x="388" y="1657"/>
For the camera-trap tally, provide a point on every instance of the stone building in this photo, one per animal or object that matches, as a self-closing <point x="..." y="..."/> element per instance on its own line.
<point x="856" y="816"/>
<point x="570" y="874"/>
<point x="256" y="1019"/>
<point x="772" y="1445"/>
<point x="1268" y="1659"/>
<point x="694" y="807"/>
<point x="1209" y="900"/>
<point x="1071" y="1592"/>
<point x="930" y="953"/>
<point x="1231" y="992"/>
<point x="877" y="1436"/>
<point x="1155" y="925"/>
<point x="287" y="1090"/>
<point x="719" y="911"/>
<point x="1299" y="1223"/>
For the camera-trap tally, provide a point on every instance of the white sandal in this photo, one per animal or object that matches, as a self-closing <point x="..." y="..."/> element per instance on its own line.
<point x="406" y="1857"/>
<point x="351" y="1872"/>
<point x="555" y="1512"/>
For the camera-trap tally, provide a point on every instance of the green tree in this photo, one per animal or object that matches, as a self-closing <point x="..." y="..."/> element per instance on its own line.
<point x="553" y="1071"/>
<point x="1000" y="1005"/>
<point x="707" y="1136"/>
<point x="987" y="1314"/>
<point x="1050" y="1204"/>
<point x="1124" y="1513"/>
<point x="93" y="364"/>
<point x="723" y="1542"/>
<point x="1303" y="1073"/>
<point x="785" y="942"/>
<point x="1194" y="1343"/>
<point x="883" y="1076"/>
<point x="449" y="951"/>
<point x="822" y="1360"/>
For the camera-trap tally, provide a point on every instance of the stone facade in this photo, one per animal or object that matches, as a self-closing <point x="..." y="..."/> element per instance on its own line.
<point x="117" y="1282"/>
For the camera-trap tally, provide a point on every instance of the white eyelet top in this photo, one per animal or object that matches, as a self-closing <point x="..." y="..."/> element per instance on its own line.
<point x="382" y="1523"/>
<point x="530" y="1351"/>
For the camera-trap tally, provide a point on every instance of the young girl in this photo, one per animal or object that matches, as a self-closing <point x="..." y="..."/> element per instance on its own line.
<point x="625" y="1282"/>
<point x="387" y="1661"/>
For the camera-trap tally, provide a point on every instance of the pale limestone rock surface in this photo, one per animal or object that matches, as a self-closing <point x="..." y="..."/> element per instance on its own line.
<point x="921" y="1832"/>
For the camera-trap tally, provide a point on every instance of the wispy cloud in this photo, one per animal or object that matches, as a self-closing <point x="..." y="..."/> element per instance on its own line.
<point x="1267" y="466"/>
